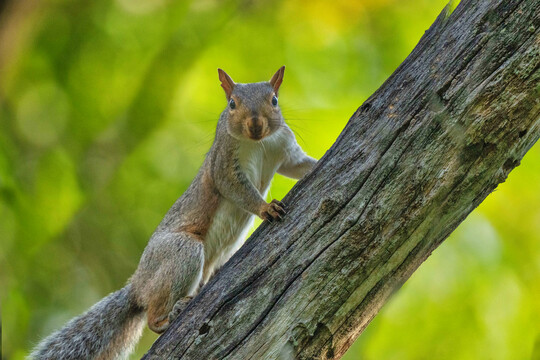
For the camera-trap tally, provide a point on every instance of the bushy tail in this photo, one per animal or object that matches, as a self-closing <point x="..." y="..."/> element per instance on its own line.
<point x="108" y="330"/>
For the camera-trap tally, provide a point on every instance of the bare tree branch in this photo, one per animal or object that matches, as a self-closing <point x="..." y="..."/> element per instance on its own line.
<point x="414" y="160"/>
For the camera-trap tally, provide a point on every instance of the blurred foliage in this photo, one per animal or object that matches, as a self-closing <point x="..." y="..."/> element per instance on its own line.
<point x="108" y="107"/>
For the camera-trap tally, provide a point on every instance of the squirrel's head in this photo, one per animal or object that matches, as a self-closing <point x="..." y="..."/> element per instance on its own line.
<point x="252" y="109"/>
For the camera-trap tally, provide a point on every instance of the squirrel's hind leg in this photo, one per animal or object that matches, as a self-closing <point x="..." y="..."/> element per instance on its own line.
<point x="177" y="275"/>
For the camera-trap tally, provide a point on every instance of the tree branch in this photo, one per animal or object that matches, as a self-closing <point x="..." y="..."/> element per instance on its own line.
<point x="414" y="160"/>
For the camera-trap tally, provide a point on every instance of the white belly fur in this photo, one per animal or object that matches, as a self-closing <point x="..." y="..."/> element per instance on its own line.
<point x="259" y="162"/>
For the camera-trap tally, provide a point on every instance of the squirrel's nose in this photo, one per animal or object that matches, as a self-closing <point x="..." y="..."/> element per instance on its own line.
<point x="255" y="128"/>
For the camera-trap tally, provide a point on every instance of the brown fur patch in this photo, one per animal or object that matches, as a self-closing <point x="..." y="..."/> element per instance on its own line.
<point x="202" y="214"/>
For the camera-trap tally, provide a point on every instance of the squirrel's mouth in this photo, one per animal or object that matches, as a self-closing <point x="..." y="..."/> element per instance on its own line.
<point x="256" y="129"/>
<point x="256" y="137"/>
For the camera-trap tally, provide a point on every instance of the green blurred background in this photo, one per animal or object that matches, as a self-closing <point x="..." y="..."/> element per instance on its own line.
<point x="107" y="110"/>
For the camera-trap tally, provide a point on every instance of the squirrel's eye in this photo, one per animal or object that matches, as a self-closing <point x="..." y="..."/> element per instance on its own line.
<point x="232" y="104"/>
<point x="274" y="100"/>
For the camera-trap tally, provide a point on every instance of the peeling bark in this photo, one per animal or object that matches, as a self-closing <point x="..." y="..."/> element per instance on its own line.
<point x="414" y="160"/>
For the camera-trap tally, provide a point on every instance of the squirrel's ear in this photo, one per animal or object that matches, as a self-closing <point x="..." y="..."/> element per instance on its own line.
<point x="226" y="83"/>
<point x="277" y="79"/>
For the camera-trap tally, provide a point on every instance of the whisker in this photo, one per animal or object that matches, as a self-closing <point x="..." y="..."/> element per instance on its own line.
<point x="294" y="131"/>
<point x="203" y="121"/>
<point x="264" y="148"/>
<point x="304" y="119"/>
<point x="298" y="135"/>
<point x="297" y="126"/>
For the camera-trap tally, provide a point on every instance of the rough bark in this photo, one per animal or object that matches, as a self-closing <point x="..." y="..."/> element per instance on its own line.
<point x="414" y="160"/>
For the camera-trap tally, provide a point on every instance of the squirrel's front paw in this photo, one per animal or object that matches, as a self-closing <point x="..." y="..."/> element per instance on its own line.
<point x="273" y="211"/>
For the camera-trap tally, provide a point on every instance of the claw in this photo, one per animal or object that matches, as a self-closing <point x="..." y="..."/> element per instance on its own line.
<point x="273" y="211"/>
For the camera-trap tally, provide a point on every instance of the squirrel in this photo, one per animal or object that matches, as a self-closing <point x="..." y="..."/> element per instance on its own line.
<point x="202" y="229"/>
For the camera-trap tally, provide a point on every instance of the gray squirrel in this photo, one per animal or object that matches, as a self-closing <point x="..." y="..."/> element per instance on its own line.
<point x="200" y="232"/>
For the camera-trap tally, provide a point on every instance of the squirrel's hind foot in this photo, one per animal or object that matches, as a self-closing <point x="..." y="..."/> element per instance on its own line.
<point x="179" y="307"/>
